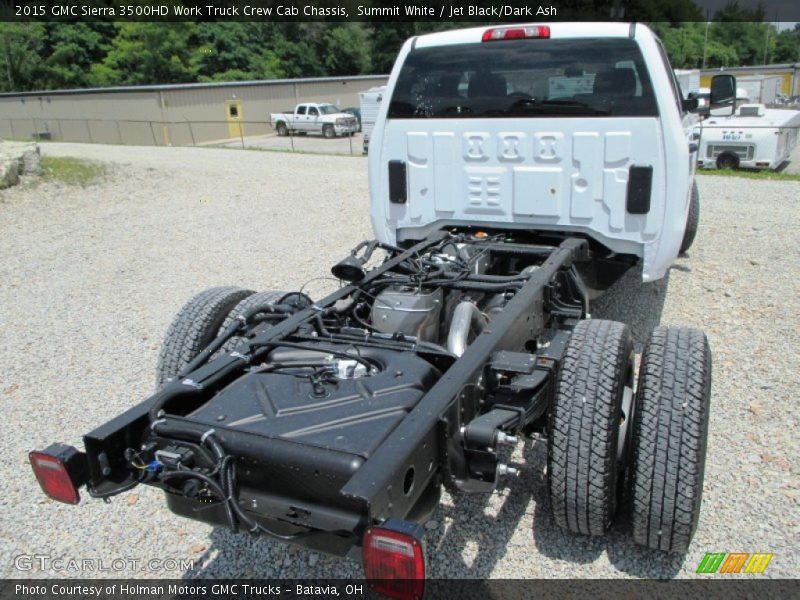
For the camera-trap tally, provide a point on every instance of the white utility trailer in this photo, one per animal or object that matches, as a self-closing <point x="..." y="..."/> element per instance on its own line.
<point x="689" y="81"/>
<point x="755" y="137"/>
<point x="760" y="89"/>
<point x="370" y="102"/>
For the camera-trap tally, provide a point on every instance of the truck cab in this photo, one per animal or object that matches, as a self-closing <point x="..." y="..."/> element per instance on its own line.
<point x="575" y="128"/>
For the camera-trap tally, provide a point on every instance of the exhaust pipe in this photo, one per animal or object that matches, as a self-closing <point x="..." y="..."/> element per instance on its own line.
<point x="466" y="319"/>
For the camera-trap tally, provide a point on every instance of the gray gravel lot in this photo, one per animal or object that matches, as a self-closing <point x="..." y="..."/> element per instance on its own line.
<point x="90" y="278"/>
<point x="352" y="145"/>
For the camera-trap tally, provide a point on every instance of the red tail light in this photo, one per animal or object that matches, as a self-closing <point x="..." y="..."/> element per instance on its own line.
<point x="394" y="561"/>
<point x="60" y="469"/>
<point x="516" y="33"/>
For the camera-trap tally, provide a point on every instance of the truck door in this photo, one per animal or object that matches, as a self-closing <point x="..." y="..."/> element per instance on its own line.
<point x="313" y="119"/>
<point x="301" y="118"/>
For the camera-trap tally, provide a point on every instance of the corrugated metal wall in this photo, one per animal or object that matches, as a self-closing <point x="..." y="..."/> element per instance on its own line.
<point x="789" y="74"/>
<point x="161" y="115"/>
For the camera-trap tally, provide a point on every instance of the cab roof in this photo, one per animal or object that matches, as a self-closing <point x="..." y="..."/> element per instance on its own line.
<point x="557" y="31"/>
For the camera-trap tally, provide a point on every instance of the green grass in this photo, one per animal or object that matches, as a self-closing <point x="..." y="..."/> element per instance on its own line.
<point x="751" y="174"/>
<point x="72" y="171"/>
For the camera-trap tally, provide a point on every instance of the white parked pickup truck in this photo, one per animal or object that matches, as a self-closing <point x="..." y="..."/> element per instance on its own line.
<point x="311" y="117"/>
<point x="566" y="128"/>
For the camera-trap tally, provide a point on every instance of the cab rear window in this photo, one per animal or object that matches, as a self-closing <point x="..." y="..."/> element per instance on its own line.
<point x="525" y="78"/>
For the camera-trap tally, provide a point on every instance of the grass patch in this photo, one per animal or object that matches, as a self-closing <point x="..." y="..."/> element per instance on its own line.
<point x="751" y="174"/>
<point x="72" y="171"/>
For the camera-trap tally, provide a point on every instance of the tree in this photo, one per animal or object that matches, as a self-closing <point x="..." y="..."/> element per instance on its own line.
<point x="226" y="51"/>
<point x="147" y="53"/>
<point x="21" y="45"/>
<point x="72" y="51"/>
<point x="344" y="50"/>
<point x="787" y="45"/>
<point x="295" y="59"/>
<point x="743" y="30"/>
<point x="683" y="43"/>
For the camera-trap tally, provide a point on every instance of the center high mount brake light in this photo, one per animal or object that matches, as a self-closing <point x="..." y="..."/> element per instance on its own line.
<point x="496" y="34"/>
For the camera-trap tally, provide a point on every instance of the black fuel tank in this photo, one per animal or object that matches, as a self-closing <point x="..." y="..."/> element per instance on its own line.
<point x="351" y="416"/>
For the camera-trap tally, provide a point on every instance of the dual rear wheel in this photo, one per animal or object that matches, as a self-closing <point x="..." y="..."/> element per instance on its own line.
<point x="199" y="323"/>
<point x="616" y="455"/>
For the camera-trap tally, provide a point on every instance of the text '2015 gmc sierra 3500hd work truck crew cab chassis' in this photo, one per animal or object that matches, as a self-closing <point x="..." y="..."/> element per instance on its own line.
<point x="515" y="172"/>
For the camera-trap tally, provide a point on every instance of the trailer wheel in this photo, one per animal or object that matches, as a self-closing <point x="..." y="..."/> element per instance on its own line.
<point x="670" y="438"/>
<point x="194" y="327"/>
<point x="692" y="221"/>
<point x="282" y="130"/>
<point x="248" y="303"/>
<point x="590" y="414"/>
<point x="726" y="160"/>
<point x="328" y="131"/>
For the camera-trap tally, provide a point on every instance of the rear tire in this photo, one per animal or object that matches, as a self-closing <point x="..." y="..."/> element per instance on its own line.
<point x="584" y="457"/>
<point x="282" y="130"/>
<point x="727" y="160"/>
<point x="670" y="439"/>
<point x="194" y="327"/>
<point x="692" y="221"/>
<point x="247" y="304"/>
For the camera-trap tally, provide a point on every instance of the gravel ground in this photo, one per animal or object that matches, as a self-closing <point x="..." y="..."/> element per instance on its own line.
<point x="92" y="276"/>
<point x="352" y="145"/>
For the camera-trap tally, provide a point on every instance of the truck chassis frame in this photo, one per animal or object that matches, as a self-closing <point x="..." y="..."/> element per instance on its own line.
<point x="504" y="383"/>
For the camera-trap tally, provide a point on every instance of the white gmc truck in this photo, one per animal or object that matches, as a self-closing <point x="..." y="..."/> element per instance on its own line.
<point x="311" y="117"/>
<point x="576" y="128"/>
<point x="514" y="172"/>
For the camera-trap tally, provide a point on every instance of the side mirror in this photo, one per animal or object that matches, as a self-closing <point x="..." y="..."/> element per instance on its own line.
<point x="723" y="94"/>
<point x="690" y="104"/>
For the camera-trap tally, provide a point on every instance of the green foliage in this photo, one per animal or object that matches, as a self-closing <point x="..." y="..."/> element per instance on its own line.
<point x="73" y="50"/>
<point x="147" y="53"/>
<point x="37" y="56"/>
<point x="787" y="45"/>
<point x="21" y="45"/>
<point x="343" y="50"/>
<point x="729" y="44"/>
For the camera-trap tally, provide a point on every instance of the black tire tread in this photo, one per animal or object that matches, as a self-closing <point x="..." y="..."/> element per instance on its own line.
<point x="584" y="426"/>
<point x="194" y="327"/>
<point x="692" y="221"/>
<point x="248" y="303"/>
<point x="670" y="438"/>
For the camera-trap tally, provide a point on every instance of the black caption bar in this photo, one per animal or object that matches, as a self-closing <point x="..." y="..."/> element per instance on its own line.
<point x="380" y="11"/>
<point x="245" y="589"/>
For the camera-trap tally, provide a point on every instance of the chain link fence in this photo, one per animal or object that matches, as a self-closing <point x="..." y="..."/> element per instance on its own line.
<point x="246" y="134"/>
